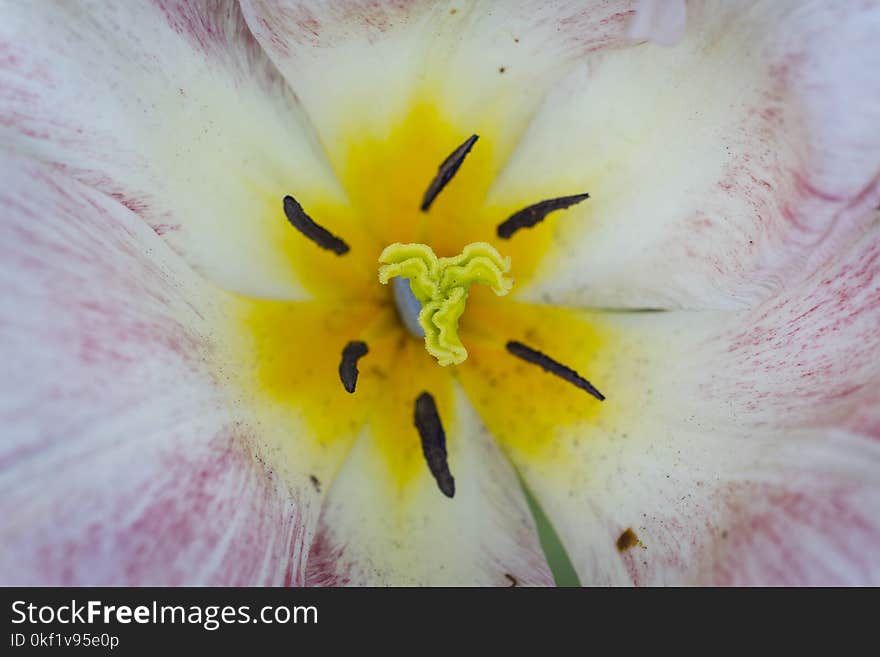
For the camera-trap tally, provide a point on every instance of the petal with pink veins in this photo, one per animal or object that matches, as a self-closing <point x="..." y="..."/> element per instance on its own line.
<point x="748" y="447"/>
<point x="173" y="109"/>
<point x="121" y="461"/>
<point x="716" y="167"/>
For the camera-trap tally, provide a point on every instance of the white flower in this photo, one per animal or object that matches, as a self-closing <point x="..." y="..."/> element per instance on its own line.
<point x="171" y="405"/>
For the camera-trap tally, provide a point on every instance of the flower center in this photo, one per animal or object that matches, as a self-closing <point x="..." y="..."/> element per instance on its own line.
<point x="350" y="334"/>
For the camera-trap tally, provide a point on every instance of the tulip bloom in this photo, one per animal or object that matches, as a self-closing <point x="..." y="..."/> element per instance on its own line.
<point x="671" y="333"/>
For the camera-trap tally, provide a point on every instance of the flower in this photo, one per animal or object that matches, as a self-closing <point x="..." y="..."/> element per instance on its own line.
<point x="172" y="404"/>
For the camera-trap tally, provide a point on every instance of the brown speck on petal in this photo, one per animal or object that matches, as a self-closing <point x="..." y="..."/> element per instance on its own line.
<point x="627" y="540"/>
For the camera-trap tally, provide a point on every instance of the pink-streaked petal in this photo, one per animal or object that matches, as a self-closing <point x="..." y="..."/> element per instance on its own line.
<point x="660" y="21"/>
<point x="172" y="108"/>
<point x="745" y="445"/>
<point x="483" y="536"/>
<point x="812" y="530"/>
<point x="120" y="463"/>
<point x="717" y="168"/>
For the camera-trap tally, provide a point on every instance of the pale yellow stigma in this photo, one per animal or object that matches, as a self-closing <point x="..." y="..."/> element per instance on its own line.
<point x="441" y="286"/>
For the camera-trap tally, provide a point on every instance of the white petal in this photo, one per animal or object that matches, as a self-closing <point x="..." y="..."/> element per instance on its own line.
<point x="120" y="462"/>
<point x="171" y="108"/>
<point x="375" y="534"/>
<point x="660" y="21"/>
<point x="359" y="67"/>
<point x="744" y="445"/>
<point x="716" y="168"/>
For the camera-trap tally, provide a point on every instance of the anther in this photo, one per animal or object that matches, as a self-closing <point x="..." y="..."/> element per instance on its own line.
<point x="348" y="371"/>
<point x="446" y="171"/>
<point x="534" y="214"/>
<point x="546" y="363"/>
<point x="304" y="224"/>
<point x="427" y="421"/>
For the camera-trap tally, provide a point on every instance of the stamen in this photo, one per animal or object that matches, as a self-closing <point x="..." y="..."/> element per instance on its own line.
<point x="433" y="437"/>
<point x="304" y="224"/>
<point x="446" y="171"/>
<point x="534" y="214"/>
<point x="546" y="363"/>
<point x="348" y="371"/>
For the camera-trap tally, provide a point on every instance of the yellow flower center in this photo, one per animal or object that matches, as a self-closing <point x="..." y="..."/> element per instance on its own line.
<point x="289" y="366"/>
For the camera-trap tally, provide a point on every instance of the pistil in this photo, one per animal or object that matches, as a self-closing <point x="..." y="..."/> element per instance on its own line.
<point x="441" y="285"/>
<point x="408" y="307"/>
